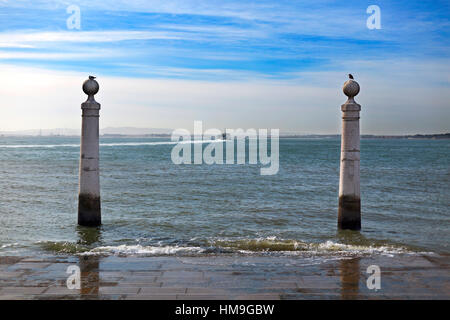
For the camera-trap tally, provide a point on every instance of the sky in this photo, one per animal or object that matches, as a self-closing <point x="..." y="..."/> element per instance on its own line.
<point x="231" y="64"/>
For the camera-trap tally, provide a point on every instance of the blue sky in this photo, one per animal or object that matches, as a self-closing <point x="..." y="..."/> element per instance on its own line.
<point x="302" y="49"/>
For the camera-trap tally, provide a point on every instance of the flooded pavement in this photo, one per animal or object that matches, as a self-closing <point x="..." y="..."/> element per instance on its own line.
<point x="224" y="277"/>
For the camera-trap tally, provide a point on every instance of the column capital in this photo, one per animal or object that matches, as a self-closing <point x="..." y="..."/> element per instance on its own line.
<point x="90" y="105"/>
<point x="350" y="106"/>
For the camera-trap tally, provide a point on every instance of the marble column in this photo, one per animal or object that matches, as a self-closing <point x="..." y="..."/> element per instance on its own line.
<point x="89" y="212"/>
<point x="349" y="215"/>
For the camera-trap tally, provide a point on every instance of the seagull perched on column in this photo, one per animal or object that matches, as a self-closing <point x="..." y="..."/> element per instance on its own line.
<point x="350" y="76"/>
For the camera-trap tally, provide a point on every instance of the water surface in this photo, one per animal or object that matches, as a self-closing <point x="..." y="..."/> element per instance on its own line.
<point x="152" y="206"/>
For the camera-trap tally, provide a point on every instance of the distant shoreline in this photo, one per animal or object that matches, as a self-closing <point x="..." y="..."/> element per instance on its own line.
<point x="371" y="136"/>
<point x="439" y="136"/>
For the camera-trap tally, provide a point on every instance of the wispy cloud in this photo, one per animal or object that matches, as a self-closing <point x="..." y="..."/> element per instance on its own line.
<point x="81" y="36"/>
<point x="13" y="44"/>
<point x="265" y="37"/>
<point x="52" y="56"/>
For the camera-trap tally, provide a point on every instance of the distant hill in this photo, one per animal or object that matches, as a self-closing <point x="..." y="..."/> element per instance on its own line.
<point x="415" y="136"/>
<point x="43" y="132"/>
<point x="164" y="132"/>
<point x="371" y="136"/>
<point x="127" y="131"/>
<point x="134" y="131"/>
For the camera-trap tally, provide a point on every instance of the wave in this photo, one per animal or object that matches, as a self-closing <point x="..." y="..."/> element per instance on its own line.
<point x="115" y="144"/>
<point x="9" y="245"/>
<point x="145" y="250"/>
<point x="76" y="248"/>
<point x="16" y="146"/>
<point x="63" y="247"/>
<point x="269" y="245"/>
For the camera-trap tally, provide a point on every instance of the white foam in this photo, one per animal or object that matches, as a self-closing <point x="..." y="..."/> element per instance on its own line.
<point x="9" y="245"/>
<point x="143" y="250"/>
<point x="330" y="246"/>
<point x="268" y="244"/>
<point x="16" y="146"/>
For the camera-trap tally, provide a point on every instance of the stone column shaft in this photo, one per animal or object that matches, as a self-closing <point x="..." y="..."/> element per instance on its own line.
<point x="89" y="210"/>
<point x="349" y="214"/>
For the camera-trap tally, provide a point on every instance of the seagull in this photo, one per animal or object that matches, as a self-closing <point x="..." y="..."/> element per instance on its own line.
<point x="350" y="76"/>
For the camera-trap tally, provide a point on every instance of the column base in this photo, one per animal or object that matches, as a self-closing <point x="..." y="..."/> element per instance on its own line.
<point x="349" y="213"/>
<point x="89" y="211"/>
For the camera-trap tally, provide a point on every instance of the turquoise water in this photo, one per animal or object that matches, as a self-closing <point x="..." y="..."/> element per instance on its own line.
<point x="152" y="206"/>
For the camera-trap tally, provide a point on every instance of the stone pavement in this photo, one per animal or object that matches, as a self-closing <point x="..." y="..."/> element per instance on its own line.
<point x="261" y="277"/>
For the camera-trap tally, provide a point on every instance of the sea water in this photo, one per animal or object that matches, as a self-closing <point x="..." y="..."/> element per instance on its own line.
<point x="150" y="206"/>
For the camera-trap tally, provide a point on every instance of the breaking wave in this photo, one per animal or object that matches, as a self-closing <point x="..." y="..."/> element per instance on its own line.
<point x="269" y="245"/>
<point x="294" y="246"/>
<point x="145" y="250"/>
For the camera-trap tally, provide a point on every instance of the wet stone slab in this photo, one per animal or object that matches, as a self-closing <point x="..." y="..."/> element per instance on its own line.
<point x="223" y="277"/>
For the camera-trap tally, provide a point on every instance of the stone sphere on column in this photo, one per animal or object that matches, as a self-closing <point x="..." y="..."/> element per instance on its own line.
<point x="351" y="88"/>
<point x="90" y="86"/>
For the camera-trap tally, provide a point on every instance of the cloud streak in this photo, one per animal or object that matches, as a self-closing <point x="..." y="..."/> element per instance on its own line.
<point x="82" y="36"/>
